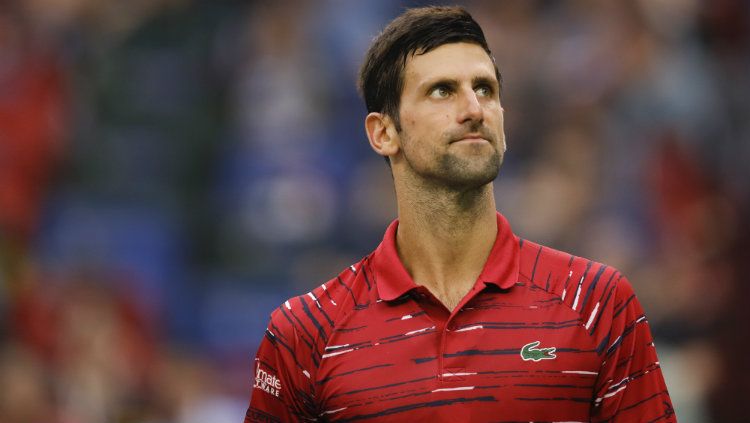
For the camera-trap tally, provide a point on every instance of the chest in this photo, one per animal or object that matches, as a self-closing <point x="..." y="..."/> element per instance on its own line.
<point x="498" y="358"/>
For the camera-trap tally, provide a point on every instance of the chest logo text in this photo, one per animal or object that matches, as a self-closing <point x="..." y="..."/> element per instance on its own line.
<point x="530" y="352"/>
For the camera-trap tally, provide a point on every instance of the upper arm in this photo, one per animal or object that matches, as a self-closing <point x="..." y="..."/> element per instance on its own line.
<point x="630" y="386"/>
<point x="282" y="388"/>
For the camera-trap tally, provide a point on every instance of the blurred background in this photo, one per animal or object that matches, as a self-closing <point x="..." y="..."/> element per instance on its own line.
<point x="172" y="170"/>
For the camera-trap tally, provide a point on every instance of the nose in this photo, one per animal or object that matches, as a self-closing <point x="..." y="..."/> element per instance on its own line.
<point x="470" y="108"/>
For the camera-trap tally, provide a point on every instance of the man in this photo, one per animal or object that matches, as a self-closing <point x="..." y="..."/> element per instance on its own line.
<point x="453" y="318"/>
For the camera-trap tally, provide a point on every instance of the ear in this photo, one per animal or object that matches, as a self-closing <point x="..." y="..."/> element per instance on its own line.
<point x="382" y="134"/>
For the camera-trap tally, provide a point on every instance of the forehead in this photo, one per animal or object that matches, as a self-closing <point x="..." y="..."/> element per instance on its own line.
<point x="454" y="61"/>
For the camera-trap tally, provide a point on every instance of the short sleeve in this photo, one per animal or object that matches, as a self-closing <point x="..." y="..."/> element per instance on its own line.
<point x="282" y="388"/>
<point x="630" y="386"/>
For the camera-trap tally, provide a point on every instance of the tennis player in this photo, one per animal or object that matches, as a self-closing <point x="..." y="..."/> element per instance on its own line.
<point x="453" y="318"/>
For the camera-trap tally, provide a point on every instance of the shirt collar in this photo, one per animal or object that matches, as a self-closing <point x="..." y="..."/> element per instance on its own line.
<point x="501" y="268"/>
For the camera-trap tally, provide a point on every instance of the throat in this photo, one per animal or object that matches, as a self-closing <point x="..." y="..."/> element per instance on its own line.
<point x="450" y="294"/>
<point x="446" y="252"/>
<point x="448" y="269"/>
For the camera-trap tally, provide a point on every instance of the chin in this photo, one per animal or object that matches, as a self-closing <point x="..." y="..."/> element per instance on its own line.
<point x="464" y="176"/>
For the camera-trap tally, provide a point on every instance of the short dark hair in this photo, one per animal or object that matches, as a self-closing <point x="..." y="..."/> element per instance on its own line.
<point x="416" y="31"/>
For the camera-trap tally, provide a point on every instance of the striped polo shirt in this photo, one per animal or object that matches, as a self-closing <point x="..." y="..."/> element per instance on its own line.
<point x="543" y="336"/>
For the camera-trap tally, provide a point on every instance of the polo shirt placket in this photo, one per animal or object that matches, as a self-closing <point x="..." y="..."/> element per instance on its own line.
<point x="449" y="371"/>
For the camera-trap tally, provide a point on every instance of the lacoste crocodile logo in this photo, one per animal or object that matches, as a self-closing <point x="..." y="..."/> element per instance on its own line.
<point x="531" y="352"/>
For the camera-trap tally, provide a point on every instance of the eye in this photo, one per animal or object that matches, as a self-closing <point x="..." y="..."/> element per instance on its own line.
<point x="440" y="91"/>
<point x="483" y="91"/>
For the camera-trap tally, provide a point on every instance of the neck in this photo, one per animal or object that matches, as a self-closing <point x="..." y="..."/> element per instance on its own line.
<point x="445" y="236"/>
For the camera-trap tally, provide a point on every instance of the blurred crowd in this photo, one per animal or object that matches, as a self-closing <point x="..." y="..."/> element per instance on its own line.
<point x="172" y="170"/>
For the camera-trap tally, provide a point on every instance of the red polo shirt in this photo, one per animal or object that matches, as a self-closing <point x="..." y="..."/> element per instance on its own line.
<point x="542" y="336"/>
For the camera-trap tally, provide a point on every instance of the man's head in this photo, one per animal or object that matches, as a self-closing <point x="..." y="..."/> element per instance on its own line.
<point x="432" y="91"/>
<point x="416" y="31"/>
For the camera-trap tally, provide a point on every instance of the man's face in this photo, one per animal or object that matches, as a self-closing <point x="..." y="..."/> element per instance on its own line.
<point x="451" y="118"/>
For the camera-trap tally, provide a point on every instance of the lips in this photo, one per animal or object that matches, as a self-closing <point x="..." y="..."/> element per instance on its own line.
<point x="471" y="137"/>
<point x="476" y="134"/>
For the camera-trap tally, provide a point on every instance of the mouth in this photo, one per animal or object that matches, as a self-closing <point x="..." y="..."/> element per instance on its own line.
<point x="471" y="138"/>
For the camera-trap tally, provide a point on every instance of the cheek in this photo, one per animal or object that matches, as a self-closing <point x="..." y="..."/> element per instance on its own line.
<point x="407" y="118"/>
<point x="426" y="124"/>
<point x="496" y="117"/>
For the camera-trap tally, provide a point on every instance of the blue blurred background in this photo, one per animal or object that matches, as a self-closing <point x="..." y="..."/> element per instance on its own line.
<point x="172" y="170"/>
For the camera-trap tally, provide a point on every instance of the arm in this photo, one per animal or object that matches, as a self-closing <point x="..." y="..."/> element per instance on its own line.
<point x="282" y="388"/>
<point x="630" y="386"/>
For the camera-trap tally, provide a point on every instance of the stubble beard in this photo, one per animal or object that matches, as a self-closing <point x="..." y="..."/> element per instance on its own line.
<point x="461" y="174"/>
<point x="458" y="173"/>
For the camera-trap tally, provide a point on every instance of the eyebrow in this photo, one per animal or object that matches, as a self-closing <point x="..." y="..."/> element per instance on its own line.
<point x="452" y="82"/>
<point x="484" y="80"/>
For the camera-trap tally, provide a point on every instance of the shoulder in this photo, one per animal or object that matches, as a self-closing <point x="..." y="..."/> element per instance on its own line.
<point x="590" y="288"/>
<point x="313" y="315"/>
